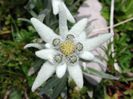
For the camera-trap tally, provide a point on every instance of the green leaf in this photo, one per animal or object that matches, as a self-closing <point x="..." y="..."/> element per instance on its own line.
<point x="54" y="86"/>
<point x="100" y="74"/>
<point x="47" y="89"/>
<point x="59" y="88"/>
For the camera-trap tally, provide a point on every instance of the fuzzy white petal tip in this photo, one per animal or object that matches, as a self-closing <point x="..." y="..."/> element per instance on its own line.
<point x="97" y="41"/>
<point x="63" y="28"/>
<point x="46" y="54"/>
<point x="45" y="72"/>
<point x="68" y="14"/>
<point x="32" y="19"/>
<point x="55" y="6"/>
<point x="75" y="73"/>
<point x="33" y="88"/>
<point x="46" y="33"/>
<point x="35" y="45"/>
<point x="87" y="55"/>
<point x="117" y="68"/>
<point x="61" y="70"/>
<point x="79" y="27"/>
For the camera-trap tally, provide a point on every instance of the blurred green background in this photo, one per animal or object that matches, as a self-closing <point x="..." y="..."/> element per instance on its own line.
<point x="15" y="62"/>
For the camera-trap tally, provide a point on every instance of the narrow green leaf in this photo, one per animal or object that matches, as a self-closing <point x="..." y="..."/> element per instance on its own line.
<point x="59" y="88"/>
<point x="100" y="74"/>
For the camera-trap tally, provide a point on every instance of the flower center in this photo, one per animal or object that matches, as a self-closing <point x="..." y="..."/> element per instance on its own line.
<point x="67" y="47"/>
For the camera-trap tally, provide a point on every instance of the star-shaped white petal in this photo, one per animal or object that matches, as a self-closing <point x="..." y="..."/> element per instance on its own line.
<point x="76" y="73"/>
<point x="56" y="8"/>
<point x="44" y="31"/>
<point x="45" y="72"/>
<point x="61" y="70"/>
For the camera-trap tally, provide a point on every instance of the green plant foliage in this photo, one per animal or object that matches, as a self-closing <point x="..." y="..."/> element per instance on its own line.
<point x="123" y="34"/>
<point x="123" y="44"/>
<point x="100" y="74"/>
<point x="16" y="63"/>
<point x="123" y="53"/>
<point x="9" y="9"/>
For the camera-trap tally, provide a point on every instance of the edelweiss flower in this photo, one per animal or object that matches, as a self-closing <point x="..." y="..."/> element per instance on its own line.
<point x="56" y="9"/>
<point x="64" y="51"/>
